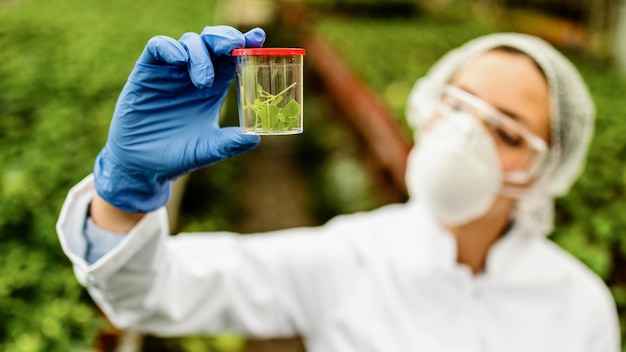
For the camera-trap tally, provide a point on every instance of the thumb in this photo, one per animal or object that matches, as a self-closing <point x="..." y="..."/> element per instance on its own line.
<point x="224" y="143"/>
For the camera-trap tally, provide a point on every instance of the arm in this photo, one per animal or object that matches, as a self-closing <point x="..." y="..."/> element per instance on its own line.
<point x="602" y="325"/>
<point x="106" y="227"/>
<point x="111" y="218"/>
<point x="165" y="125"/>
<point x="266" y="285"/>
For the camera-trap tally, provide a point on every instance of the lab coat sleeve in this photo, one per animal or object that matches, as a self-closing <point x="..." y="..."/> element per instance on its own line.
<point x="603" y="323"/>
<point x="275" y="284"/>
<point x="99" y="241"/>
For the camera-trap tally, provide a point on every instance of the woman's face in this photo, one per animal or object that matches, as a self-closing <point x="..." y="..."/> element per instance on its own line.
<point x="514" y="85"/>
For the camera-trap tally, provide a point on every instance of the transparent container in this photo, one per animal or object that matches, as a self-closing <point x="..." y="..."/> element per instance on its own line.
<point x="269" y="90"/>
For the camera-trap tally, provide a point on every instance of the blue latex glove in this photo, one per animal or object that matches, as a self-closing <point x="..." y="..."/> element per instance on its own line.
<point x="166" y="121"/>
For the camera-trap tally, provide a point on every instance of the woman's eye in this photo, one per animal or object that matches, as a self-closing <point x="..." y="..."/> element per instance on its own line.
<point x="457" y="106"/>
<point x="512" y="139"/>
<point x="450" y="103"/>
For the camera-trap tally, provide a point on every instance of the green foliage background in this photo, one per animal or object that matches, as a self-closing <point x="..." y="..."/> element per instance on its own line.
<point x="62" y="64"/>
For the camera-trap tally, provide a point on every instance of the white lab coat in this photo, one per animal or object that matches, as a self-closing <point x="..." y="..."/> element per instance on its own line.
<point x="385" y="280"/>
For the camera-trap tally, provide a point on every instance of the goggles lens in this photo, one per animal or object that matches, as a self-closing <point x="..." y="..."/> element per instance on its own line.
<point x="525" y="151"/>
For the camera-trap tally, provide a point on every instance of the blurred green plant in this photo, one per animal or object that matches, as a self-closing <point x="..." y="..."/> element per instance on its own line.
<point x="63" y="64"/>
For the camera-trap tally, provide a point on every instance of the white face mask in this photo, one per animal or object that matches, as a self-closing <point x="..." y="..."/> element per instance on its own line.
<point x="455" y="169"/>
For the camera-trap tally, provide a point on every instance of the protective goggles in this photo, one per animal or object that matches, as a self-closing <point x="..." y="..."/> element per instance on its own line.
<point x="525" y="151"/>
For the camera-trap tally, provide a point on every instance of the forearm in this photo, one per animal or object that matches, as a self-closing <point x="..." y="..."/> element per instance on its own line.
<point x="204" y="283"/>
<point x="111" y="218"/>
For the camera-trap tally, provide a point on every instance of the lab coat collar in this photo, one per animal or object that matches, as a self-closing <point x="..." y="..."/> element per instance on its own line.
<point x="512" y="258"/>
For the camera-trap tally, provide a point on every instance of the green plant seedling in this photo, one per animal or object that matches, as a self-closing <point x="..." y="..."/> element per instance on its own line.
<point x="270" y="116"/>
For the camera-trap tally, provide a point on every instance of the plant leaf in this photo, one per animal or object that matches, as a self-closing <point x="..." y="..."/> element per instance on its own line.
<point x="292" y="109"/>
<point x="268" y="114"/>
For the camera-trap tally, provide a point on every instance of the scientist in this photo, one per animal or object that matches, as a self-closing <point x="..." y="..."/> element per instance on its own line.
<point x="502" y="124"/>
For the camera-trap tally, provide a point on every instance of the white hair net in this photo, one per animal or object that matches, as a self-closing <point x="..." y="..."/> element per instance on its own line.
<point x="571" y="125"/>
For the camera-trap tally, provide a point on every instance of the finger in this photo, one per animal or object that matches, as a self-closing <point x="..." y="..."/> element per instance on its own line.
<point x="254" y="38"/>
<point x="223" y="39"/>
<point x="200" y="67"/>
<point x="163" y="50"/>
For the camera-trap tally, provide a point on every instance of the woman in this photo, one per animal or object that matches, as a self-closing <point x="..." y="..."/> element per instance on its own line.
<point x="502" y="123"/>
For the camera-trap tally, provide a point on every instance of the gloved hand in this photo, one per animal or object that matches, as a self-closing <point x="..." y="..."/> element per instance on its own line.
<point x="166" y="121"/>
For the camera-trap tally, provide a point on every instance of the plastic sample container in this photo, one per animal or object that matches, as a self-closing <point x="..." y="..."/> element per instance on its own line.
<point x="269" y="90"/>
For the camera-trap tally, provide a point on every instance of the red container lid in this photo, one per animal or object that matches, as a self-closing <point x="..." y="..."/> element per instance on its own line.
<point x="268" y="52"/>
